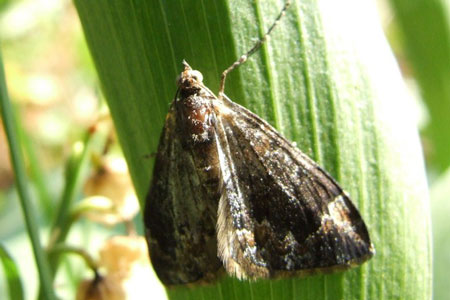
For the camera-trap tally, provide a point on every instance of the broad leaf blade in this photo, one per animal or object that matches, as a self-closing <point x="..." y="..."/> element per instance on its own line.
<point x="425" y="28"/>
<point x="441" y="231"/>
<point x="333" y="89"/>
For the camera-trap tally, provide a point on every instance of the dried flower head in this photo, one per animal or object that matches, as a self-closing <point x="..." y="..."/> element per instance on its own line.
<point x="113" y="194"/>
<point x="101" y="288"/>
<point x="121" y="254"/>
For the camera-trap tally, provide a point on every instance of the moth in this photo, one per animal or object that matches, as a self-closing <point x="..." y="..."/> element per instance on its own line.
<point x="229" y="192"/>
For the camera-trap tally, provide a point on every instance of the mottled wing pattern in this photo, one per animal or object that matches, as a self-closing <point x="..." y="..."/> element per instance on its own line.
<point x="280" y="213"/>
<point x="180" y="216"/>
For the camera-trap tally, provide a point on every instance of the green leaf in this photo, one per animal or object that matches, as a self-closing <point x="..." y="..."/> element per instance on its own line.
<point x="441" y="231"/>
<point x="12" y="274"/>
<point x="18" y="164"/>
<point x="326" y="79"/>
<point x="425" y="27"/>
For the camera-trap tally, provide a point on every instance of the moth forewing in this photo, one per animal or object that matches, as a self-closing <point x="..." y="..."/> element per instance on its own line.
<point x="181" y="207"/>
<point x="268" y="184"/>
<point x="234" y="240"/>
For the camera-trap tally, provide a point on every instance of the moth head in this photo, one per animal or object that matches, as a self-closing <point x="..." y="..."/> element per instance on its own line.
<point x="189" y="79"/>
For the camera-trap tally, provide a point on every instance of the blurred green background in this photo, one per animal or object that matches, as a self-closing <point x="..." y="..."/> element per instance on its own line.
<point x="56" y="95"/>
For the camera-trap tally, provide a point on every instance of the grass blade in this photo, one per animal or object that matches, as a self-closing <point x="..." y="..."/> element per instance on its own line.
<point x="12" y="274"/>
<point x="325" y="83"/>
<point x="425" y="28"/>
<point x="31" y="221"/>
<point x="441" y="231"/>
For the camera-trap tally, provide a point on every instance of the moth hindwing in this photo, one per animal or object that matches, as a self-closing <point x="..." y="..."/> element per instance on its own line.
<point x="230" y="192"/>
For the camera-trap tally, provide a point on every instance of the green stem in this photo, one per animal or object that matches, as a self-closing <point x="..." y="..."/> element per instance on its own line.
<point x="63" y="248"/>
<point x="21" y="183"/>
<point x="36" y="174"/>
<point x="63" y="221"/>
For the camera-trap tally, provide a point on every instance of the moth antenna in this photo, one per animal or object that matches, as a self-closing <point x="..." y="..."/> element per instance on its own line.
<point x="255" y="48"/>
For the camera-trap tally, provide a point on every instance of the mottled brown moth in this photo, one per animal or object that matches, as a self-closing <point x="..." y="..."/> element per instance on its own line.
<point x="228" y="191"/>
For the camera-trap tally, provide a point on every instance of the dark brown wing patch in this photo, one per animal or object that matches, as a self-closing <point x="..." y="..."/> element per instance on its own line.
<point x="180" y="214"/>
<point x="279" y="211"/>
